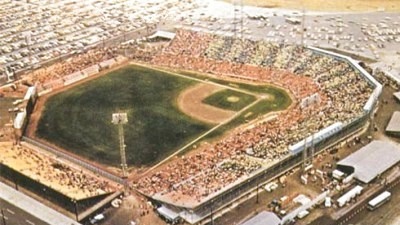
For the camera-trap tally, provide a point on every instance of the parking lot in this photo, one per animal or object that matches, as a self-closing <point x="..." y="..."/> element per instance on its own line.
<point x="57" y="28"/>
<point x="375" y="35"/>
<point x="33" y="32"/>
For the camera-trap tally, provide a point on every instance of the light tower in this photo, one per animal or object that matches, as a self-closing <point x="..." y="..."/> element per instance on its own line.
<point x="237" y="18"/>
<point x="120" y="119"/>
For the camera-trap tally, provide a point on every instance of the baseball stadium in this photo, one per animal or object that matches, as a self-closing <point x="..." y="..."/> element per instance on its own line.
<point x="210" y="117"/>
<point x="319" y="82"/>
<point x="205" y="112"/>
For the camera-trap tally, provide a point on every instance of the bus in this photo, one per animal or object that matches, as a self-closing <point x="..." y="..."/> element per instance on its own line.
<point x="379" y="200"/>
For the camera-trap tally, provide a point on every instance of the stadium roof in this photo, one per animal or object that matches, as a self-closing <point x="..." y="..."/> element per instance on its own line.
<point x="263" y="218"/>
<point x="372" y="160"/>
<point x="394" y="123"/>
<point x="168" y="213"/>
<point x="397" y="95"/>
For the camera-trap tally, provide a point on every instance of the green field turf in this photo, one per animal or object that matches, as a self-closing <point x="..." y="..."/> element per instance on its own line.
<point x="80" y="118"/>
<point x="220" y="99"/>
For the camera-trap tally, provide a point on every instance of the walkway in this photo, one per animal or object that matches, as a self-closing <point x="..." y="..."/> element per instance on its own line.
<point x="34" y="207"/>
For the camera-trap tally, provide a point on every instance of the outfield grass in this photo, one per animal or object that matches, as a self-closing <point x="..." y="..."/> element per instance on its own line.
<point x="221" y="98"/>
<point x="80" y="118"/>
<point x="280" y="102"/>
<point x="253" y="88"/>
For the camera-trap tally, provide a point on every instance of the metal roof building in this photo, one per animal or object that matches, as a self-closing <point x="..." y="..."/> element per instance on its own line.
<point x="371" y="160"/>
<point x="163" y="34"/>
<point x="264" y="218"/>
<point x="394" y="123"/>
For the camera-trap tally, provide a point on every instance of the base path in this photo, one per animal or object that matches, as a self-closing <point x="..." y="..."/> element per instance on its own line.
<point x="190" y="102"/>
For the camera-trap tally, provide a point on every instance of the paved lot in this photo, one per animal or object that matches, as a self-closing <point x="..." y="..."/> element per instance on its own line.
<point x="17" y="202"/>
<point x="372" y="34"/>
<point x="62" y="27"/>
<point x="36" y="31"/>
<point x="16" y="216"/>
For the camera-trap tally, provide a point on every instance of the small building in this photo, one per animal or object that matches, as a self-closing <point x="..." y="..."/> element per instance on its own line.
<point x="293" y="20"/>
<point x="169" y="214"/>
<point x="31" y="93"/>
<point x="393" y="126"/>
<point x="162" y="35"/>
<point x="107" y="64"/>
<point x="370" y="161"/>
<point x="349" y="195"/>
<point x="264" y="218"/>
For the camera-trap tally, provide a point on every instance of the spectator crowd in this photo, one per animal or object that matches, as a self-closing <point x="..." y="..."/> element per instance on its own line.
<point x="55" y="174"/>
<point x="342" y="90"/>
<point x="58" y="71"/>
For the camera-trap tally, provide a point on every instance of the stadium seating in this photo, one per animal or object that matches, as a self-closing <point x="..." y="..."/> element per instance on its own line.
<point x="341" y="88"/>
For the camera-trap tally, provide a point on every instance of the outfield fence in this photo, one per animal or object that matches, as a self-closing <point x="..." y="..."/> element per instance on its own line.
<point x="75" y="160"/>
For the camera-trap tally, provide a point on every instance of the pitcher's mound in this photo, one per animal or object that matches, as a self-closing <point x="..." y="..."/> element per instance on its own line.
<point x="233" y="99"/>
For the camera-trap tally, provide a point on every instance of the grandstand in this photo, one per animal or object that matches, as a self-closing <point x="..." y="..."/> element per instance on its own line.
<point x="222" y="172"/>
<point x="54" y="174"/>
<point x="53" y="179"/>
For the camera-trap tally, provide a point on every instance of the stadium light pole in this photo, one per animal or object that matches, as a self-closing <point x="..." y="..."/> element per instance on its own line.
<point x="120" y="119"/>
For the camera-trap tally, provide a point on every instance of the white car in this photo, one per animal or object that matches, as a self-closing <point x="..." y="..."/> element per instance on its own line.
<point x="271" y="186"/>
<point x="97" y="218"/>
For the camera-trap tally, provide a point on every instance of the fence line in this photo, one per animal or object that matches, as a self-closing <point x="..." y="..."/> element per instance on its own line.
<point x="75" y="160"/>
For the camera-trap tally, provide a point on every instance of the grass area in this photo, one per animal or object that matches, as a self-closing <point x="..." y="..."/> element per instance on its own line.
<point x="254" y="88"/>
<point x="80" y="118"/>
<point x="330" y="6"/>
<point x="5" y="104"/>
<point x="229" y="99"/>
<point x="280" y="100"/>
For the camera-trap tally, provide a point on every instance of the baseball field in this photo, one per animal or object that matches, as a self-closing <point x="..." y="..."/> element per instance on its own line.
<point x="159" y="122"/>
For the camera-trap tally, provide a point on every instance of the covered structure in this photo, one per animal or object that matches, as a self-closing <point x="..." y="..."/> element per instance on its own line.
<point x="264" y="218"/>
<point x="393" y="126"/>
<point x="169" y="214"/>
<point x="162" y="35"/>
<point x="397" y="95"/>
<point x="371" y="160"/>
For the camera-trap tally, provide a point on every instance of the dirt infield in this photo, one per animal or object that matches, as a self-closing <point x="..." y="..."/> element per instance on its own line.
<point x="330" y="6"/>
<point x="190" y="102"/>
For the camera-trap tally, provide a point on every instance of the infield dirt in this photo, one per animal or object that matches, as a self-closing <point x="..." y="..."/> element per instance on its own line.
<point x="190" y="102"/>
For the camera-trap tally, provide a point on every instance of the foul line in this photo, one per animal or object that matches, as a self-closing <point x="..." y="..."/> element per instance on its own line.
<point x="201" y="136"/>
